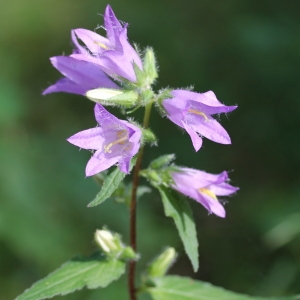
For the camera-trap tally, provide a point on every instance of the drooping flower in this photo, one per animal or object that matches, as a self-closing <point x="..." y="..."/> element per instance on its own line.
<point x="192" y="111"/>
<point x="115" y="142"/>
<point x="113" y="54"/>
<point x="203" y="187"/>
<point x="80" y="76"/>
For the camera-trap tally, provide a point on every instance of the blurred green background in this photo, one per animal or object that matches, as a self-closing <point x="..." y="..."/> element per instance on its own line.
<point x="247" y="52"/>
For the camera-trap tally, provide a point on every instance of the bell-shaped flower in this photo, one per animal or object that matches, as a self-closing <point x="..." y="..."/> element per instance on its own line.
<point x="192" y="111"/>
<point x="115" y="142"/>
<point x="80" y="76"/>
<point x="203" y="187"/>
<point x="113" y="53"/>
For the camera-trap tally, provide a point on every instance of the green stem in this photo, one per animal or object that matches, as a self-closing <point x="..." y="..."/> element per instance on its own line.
<point x="132" y="209"/>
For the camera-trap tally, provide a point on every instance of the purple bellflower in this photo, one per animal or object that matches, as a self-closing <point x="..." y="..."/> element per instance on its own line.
<point x="115" y="141"/>
<point x="113" y="54"/>
<point x="80" y="76"/>
<point x="204" y="188"/>
<point x="192" y="111"/>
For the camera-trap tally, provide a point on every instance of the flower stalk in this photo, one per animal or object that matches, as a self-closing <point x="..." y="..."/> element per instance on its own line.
<point x="133" y="206"/>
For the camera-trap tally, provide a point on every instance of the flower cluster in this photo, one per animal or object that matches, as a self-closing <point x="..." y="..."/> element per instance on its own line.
<point x="110" y="71"/>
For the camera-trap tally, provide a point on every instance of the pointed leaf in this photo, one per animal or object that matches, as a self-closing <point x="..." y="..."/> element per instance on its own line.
<point x="184" y="288"/>
<point x="92" y="272"/>
<point x="110" y="184"/>
<point x="178" y="208"/>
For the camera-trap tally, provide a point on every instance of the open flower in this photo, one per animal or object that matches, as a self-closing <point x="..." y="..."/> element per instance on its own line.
<point x="192" y="111"/>
<point x="113" y="54"/>
<point x="115" y="141"/>
<point x="80" y="76"/>
<point x="203" y="187"/>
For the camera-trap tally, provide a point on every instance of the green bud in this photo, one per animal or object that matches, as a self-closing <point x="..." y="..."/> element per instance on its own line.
<point x="161" y="264"/>
<point x="112" y="245"/>
<point x="106" y="241"/>
<point x="113" y="97"/>
<point x="161" y="161"/>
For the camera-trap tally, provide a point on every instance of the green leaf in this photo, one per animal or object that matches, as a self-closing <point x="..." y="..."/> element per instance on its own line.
<point x="184" y="288"/>
<point x="178" y="208"/>
<point x="110" y="184"/>
<point x="92" y="272"/>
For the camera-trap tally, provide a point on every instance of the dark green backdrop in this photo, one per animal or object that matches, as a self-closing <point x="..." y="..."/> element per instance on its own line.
<point x="247" y="52"/>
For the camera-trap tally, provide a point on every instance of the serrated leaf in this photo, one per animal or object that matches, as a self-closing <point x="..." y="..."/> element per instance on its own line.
<point x="178" y="208"/>
<point x="110" y="184"/>
<point x="184" y="288"/>
<point x="92" y="272"/>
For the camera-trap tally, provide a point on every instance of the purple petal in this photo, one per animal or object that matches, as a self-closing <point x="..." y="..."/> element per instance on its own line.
<point x="65" y="85"/>
<point x="210" y="110"/>
<point x="88" y="139"/>
<point x="86" y="74"/>
<point x="209" y="98"/>
<point x="79" y="48"/>
<point x="196" y="139"/>
<point x="210" y="129"/>
<point x="212" y="205"/>
<point x="129" y="52"/>
<point x="117" y="64"/>
<point x="112" y="26"/>
<point x="92" y="40"/>
<point x="106" y="119"/>
<point x="124" y="164"/>
<point x="223" y="189"/>
<point x="99" y="164"/>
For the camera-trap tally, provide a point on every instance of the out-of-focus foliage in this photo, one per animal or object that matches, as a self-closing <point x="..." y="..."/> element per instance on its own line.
<point x="247" y="52"/>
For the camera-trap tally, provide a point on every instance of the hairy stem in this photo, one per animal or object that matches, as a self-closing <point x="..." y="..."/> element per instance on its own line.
<point x="132" y="209"/>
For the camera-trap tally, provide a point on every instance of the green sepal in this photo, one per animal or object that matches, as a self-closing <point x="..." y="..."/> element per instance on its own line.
<point x="162" y="95"/>
<point x="147" y="95"/>
<point x="149" y="136"/>
<point x="141" y="77"/>
<point x="162" y="161"/>
<point x="150" y="67"/>
<point x="91" y="272"/>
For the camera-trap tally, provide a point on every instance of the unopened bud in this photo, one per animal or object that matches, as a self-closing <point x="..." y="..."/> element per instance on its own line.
<point x="113" y="97"/>
<point x="161" y="264"/>
<point x="112" y="245"/>
<point x="106" y="241"/>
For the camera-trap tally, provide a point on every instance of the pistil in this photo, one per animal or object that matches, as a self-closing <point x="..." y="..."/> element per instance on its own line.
<point x="122" y="136"/>
<point x="200" y="113"/>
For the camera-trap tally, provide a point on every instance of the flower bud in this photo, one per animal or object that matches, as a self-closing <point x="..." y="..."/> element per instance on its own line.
<point x="106" y="241"/>
<point x="161" y="264"/>
<point x="112" y="245"/>
<point x="113" y="97"/>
